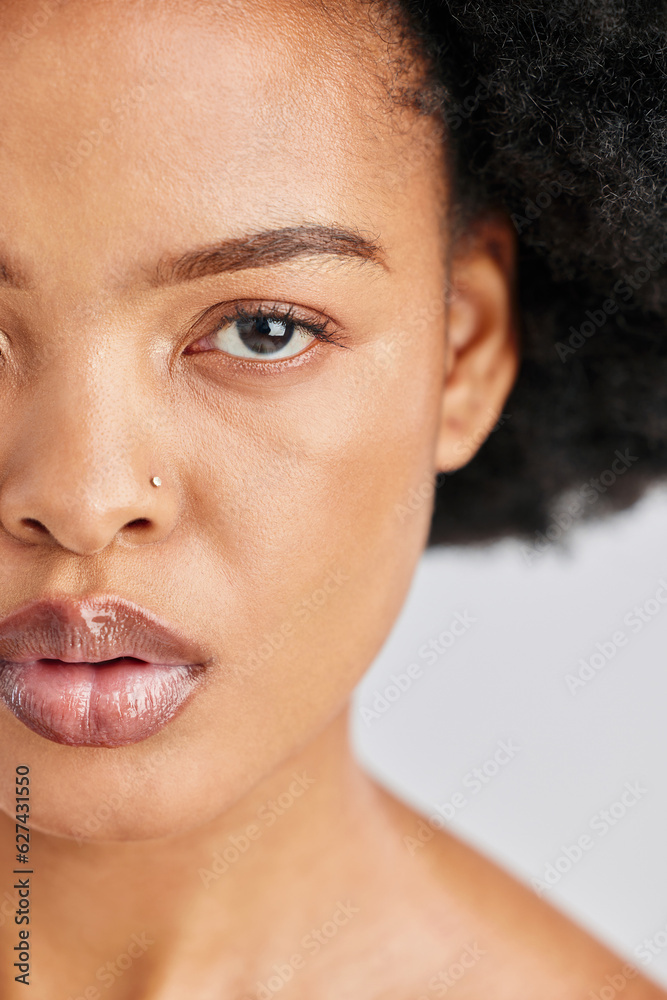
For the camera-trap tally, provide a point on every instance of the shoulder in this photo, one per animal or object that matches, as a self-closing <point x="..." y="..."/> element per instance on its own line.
<point x="499" y="938"/>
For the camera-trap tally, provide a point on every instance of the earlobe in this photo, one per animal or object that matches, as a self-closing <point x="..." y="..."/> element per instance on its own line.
<point x="482" y="343"/>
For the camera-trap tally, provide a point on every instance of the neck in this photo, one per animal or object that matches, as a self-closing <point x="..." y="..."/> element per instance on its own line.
<point x="195" y="913"/>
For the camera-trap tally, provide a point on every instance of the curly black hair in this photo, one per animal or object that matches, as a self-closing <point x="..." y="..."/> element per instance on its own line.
<point x="556" y="112"/>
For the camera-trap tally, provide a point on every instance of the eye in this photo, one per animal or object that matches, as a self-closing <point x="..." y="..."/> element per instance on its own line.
<point x="264" y="333"/>
<point x="261" y="336"/>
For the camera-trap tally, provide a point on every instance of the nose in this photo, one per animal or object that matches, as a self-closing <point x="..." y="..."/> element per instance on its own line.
<point x="81" y="475"/>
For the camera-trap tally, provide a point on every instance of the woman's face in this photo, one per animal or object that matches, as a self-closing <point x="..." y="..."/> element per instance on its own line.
<point x="295" y="496"/>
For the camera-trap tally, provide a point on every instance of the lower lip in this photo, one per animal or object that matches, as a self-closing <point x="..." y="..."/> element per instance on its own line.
<point x="108" y="704"/>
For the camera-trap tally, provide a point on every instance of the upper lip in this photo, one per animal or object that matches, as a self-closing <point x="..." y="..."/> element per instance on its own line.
<point x="91" y="629"/>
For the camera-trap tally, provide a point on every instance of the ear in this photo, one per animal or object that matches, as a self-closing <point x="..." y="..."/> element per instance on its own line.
<point x="482" y="349"/>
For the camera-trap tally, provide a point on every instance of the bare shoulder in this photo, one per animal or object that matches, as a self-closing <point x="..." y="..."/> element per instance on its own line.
<point x="502" y="941"/>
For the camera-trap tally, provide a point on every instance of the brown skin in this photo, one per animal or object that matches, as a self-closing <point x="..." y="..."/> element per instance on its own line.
<point x="274" y="475"/>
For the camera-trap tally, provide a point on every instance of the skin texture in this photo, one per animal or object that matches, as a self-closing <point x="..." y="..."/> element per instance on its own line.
<point x="133" y="133"/>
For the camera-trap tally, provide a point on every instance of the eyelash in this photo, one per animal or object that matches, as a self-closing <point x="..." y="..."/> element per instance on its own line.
<point x="318" y="329"/>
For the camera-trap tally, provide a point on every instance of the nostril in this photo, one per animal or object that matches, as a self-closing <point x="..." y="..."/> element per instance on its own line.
<point x="31" y="522"/>
<point x="139" y="522"/>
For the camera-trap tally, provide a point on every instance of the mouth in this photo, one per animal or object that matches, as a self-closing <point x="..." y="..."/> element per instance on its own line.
<point x="98" y="672"/>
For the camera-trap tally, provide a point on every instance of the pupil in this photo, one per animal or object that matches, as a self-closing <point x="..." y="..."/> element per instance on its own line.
<point x="257" y="337"/>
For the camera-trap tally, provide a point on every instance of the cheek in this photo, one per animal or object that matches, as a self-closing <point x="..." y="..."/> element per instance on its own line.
<point x="316" y="509"/>
<point x="311" y="514"/>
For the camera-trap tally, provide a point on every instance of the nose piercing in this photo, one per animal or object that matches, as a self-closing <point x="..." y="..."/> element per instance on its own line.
<point x="156" y="481"/>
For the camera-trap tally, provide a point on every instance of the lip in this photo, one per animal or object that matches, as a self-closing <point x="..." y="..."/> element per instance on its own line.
<point x="57" y="678"/>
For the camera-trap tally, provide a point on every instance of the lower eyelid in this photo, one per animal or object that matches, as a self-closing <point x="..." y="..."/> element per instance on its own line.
<point x="268" y="369"/>
<point x="255" y="364"/>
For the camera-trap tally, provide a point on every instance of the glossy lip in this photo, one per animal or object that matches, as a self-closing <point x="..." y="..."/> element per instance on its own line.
<point x="54" y="680"/>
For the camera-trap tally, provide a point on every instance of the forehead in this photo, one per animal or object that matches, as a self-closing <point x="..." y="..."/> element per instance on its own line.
<point x="124" y="116"/>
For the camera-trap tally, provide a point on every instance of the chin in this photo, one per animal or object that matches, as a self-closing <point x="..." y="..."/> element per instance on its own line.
<point x="90" y="795"/>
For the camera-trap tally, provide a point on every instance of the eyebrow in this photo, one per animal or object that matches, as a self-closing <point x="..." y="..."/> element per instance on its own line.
<point x="266" y="249"/>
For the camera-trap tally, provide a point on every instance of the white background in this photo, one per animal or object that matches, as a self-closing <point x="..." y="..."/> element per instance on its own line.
<point x="504" y="678"/>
